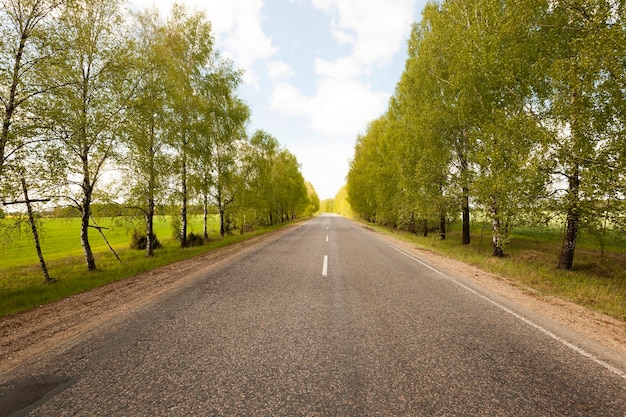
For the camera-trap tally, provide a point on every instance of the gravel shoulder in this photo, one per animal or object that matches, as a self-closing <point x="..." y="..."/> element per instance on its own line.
<point x="26" y="335"/>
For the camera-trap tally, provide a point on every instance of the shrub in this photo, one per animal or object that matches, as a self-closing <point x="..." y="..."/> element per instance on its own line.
<point x="195" y="240"/>
<point x="139" y="241"/>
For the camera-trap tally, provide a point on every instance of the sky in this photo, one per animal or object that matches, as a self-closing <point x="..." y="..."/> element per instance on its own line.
<point x="316" y="72"/>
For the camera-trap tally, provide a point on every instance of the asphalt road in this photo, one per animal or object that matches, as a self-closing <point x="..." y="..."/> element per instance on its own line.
<point x="328" y="320"/>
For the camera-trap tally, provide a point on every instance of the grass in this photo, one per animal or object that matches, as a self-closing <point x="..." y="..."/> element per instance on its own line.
<point x="21" y="279"/>
<point x="596" y="281"/>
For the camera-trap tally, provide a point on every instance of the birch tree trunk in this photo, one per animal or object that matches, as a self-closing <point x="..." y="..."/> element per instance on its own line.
<point x="183" y="207"/>
<point x="466" y="216"/>
<point x="442" y="227"/>
<point x="84" y="232"/>
<point x="205" y="212"/>
<point x="33" y="227"/>
<point x="496" y="236"/>
<point x="566" y="259"/>
<point x="150" y="229"/>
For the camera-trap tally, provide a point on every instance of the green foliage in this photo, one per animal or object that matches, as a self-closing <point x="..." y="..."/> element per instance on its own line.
<point x="275" y="188"/>
<point x="26" y="26"/>
<point x="194" y="239"/>
<point x="341" y="205"/>
<point x="175" y="226"/>
<point x="327" y="206"/>
<point x="139" y="241"/>
<point x="312" y="203"/>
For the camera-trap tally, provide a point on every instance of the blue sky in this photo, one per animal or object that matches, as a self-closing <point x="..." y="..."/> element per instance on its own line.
<point x="316" y="71"/>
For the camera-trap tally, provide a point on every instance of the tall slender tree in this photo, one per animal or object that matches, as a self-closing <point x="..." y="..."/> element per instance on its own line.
<point x="583" y="96"/>
<point x="290" y="193"/>
<point x="224" y="118"/>
<point x="145" y="158"/>
<point x="360" y="179"/>
<point x="190" y="53"/>
<point x="263" y="153"/>
<point x="86" y="115"/>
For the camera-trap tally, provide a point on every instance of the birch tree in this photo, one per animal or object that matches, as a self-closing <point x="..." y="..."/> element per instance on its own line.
<point x="451" y="107"/>
<point x="217" y="158"/>
<point x="466" y="84"/>
<point x="28" y="191"/>
<point x="360" y="179"/>
<point x="583" y="106"/>
<point x="190" y="51"/>
<point x="290" y="193"/>
<point x="86" y="115"/>
<point x="498" y="50"/>
<point x="263" y="153"/>
<point x="144" y="161"/>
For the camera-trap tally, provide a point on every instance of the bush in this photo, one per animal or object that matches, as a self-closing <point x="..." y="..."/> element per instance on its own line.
<point x="176" y="226"/>
<point x="194" y="240"/>
<point x="138" y="241"/>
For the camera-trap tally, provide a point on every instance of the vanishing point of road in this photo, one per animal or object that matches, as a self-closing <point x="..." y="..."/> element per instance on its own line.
<point x="326" y="320"/>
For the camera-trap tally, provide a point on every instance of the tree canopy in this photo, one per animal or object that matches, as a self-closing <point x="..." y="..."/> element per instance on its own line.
<point x="512" y="110"/>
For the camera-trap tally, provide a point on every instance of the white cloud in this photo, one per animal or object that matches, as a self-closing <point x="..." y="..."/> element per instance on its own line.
<point x="344" y="107"/>
<point x="342" y="104"/>
<point x="278" y="70"/>
<point x="325" y="163"/>
<point x="237" y="26"/>
<point x="375" y="29"/>
<point x="288" y="100"/>
<point x="339" y="107"/>
<point x="344" y="68"/>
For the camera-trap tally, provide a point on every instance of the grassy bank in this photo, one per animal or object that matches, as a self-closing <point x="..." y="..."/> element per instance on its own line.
<point x="597" y="280"/>
<point x="21" y="279"/>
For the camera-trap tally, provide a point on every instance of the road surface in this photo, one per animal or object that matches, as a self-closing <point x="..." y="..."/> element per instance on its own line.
<point x="327" y="320"/>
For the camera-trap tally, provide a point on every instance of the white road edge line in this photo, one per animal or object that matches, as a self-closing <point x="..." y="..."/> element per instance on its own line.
<point x="529" y="322"/>
<point x="325" y="266"/>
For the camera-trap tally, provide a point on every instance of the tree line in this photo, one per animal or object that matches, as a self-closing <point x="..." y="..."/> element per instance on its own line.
<point x="512" y="111"/>
<point x="100" y="104"/>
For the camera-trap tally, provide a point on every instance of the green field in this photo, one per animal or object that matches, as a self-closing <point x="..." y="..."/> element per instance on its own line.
<point x="60" y="238"/>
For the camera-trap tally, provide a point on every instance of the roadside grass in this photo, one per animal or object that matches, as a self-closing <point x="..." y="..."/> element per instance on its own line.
<point x="21" y="279"/>
<point x="597" y="280"/>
